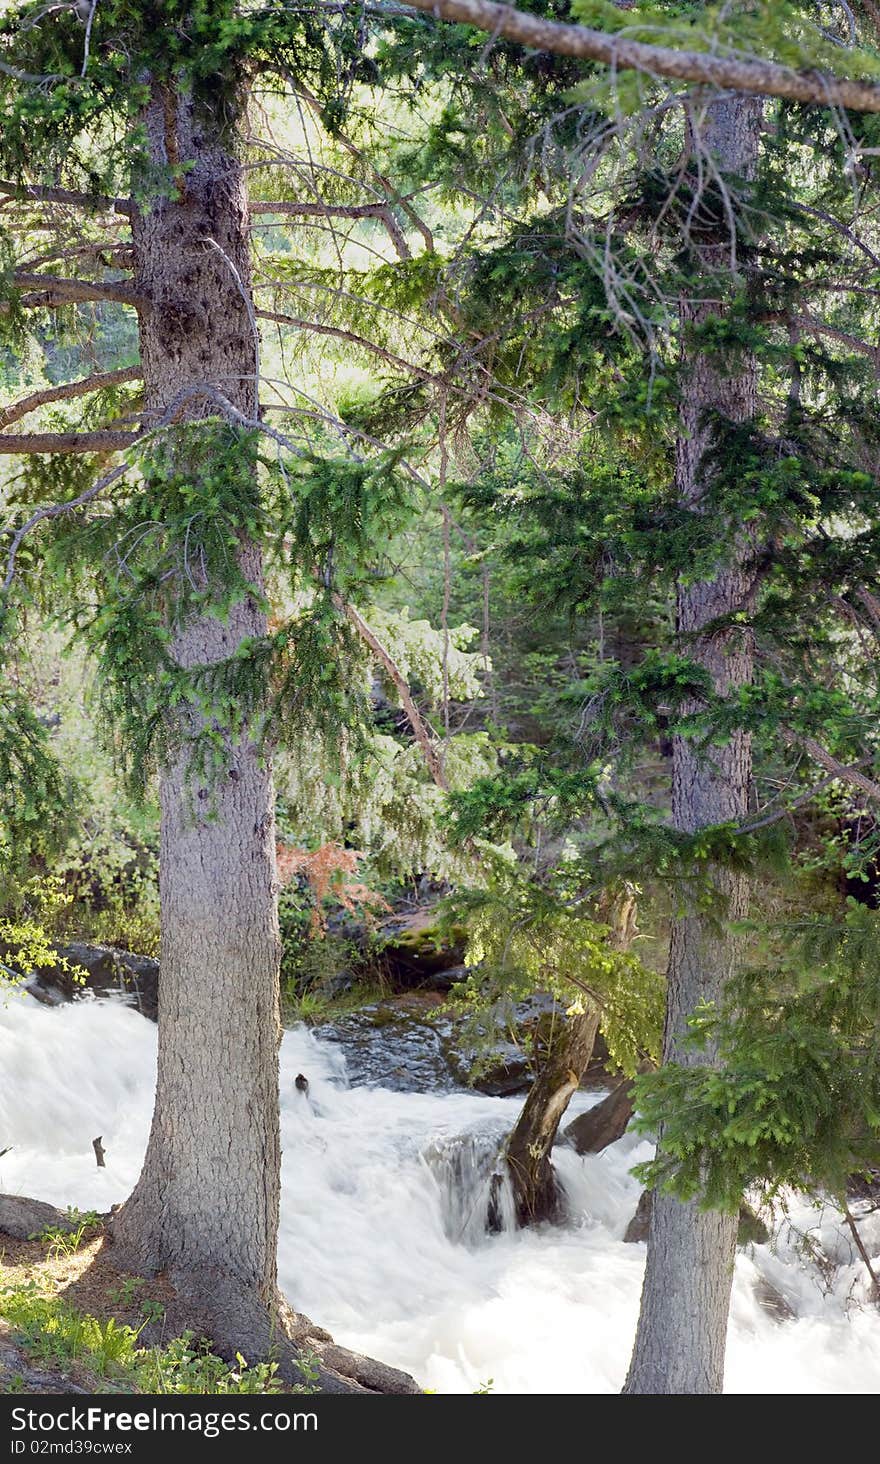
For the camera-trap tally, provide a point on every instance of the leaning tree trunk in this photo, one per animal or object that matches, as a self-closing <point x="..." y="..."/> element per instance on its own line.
<point x="682" y="1329"/>
<point x="567" y="1049"/>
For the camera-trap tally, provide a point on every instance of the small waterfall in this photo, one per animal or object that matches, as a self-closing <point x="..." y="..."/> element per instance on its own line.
<point x="476" y="1196"/>
<point x="384" y="1200"/>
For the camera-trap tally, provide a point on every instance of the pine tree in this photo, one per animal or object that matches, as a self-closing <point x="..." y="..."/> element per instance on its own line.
<point x="122" y="137"/>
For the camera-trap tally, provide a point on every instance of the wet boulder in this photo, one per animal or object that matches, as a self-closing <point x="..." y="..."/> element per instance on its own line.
<point x="107" y="971"/>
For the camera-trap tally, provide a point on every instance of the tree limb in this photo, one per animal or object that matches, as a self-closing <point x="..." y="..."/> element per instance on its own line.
<point x="55" y="286"/>
<point x="26" y="444"/>
<point x="72" y="389"/>
<point x="822" y="327"/>
<point x="380" y="211"/>
<point x="732" y="73"/>
<point x="37" y="193"/>
<point x="414" y="717"/>
<point x="337" y="333"/>
<point x="55" y="510"/>
<point x="820" y="754"/>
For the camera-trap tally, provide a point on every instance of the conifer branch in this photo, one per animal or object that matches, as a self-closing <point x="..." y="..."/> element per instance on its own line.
<point x="337" y="333"/>
<point x="26" y="444"/>
<point x="64" y="290"/>
<point x="38" y="193"/>
<point x="55" y="510"/>
<point x="825" y="759"/>
<point x="71" y="390"/>
<point x="731" y="73"/>
<point x="402" y="201"/>
<point x="380" y="211"/>
<point x="854" y="343"/>
<point x="413" y="715"/>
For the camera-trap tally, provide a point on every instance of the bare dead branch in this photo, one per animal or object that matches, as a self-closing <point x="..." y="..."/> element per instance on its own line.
<point x="66" y="290"/>
<point x="732" y="73"/>
<point x="37" y="193"/>
<point x="860" y="1247"/>
<point x="26" y="444"/>
<point x="71" y="390"/>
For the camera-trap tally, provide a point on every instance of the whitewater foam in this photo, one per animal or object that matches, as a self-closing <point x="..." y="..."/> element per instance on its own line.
<point x="376" y="1242"/>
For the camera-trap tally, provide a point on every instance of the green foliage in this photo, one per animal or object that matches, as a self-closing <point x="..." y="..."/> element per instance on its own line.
<point x="522" y="938"/>
<point x="26" y="931"/>
<point x="37" y="801"/>
<point x="186" y="1365"/>
<point x="795" y="1099"/>
<point x="65" y="1241"/>
<point x="58" y="1335"/>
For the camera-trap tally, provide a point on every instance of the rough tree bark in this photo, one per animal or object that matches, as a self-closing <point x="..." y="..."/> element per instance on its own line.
<point x="567" y="1051"/>
<point x="568" y="1047"/>
<point x="682" y="1329"/>
<point x="205" y="1208"/>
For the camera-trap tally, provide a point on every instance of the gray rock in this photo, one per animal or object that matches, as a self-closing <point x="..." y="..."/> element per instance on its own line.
<point x="639" y="1225"/>
<point x="22" y="1218"/>
<point x="107" y="971"/>
<point x="444" y="980"/>
<point x="389" y="1047"/>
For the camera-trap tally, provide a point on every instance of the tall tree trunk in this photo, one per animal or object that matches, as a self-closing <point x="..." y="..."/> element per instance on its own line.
<point x="205" y="1208"/>
<point x="681" y="1336"/>
<point x="567" y="1049"/>
<point x="206" y="1204"/>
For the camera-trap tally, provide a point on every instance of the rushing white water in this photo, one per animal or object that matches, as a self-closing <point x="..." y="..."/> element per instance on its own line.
<point x="378" y="1241"/>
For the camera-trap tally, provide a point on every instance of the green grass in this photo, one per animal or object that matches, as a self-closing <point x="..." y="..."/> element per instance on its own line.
<point x="314" y="1005"/>
<point x="56" y="1335"/>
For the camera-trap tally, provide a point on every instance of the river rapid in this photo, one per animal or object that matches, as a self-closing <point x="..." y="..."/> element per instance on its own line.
<point x="381" y="1222"/>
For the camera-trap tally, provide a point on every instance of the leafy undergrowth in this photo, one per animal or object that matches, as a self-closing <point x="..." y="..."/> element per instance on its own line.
<point x="71" y="1321"/>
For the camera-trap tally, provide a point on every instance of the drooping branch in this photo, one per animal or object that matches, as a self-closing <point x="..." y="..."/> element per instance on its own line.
<point x="731" y="73"/>
<point x="71" y="390"/>
<point x="37" y="193"/>
<point x="337" y="333"/>
<point x="26" y="444"/>
<point x="414" y="717"/>
<point x="52" y="511"/>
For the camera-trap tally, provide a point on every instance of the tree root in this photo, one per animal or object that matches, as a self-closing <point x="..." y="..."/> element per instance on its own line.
<point x="219" y="1307"/>
<point x="231" y="1316"/>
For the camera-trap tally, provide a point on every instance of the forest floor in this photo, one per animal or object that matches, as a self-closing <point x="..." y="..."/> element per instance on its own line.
<point x="72" y="1322"/>
<point x="48" y="1293"/>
